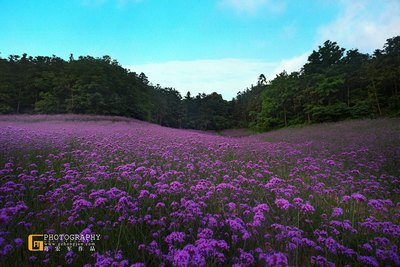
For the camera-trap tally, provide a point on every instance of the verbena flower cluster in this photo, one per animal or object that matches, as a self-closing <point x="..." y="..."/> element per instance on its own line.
<point x="318" y="196"/>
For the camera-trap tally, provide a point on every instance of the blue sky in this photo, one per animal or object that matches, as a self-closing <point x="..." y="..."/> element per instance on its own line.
<point x="197" y="46"/>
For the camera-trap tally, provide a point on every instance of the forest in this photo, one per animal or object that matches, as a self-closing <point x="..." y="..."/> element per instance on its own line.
<point x="334" y="84"/>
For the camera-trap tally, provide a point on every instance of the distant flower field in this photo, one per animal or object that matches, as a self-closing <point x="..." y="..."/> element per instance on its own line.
<point x="322" y="195"/>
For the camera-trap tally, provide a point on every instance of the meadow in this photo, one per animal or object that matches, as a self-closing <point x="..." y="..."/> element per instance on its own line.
<point x="320" y="195"/>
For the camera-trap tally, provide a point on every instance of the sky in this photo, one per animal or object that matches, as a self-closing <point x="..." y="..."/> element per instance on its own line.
<point x="198" y="46"/>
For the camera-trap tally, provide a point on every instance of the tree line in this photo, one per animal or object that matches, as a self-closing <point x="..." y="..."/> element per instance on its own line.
<point x="89" y="85"/>
<point x="334" y="84"/>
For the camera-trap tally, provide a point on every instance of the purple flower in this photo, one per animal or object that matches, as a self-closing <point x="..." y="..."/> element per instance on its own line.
<point x="246" y="258"/>
<point x="297" y="201"/>
<point x="18" y="242"/>
<point x="81" y="204"/>
<point x="178" y="237"/>
<point x="321" y="261"/>
<point x="358" y="197"/>
<point x="236" y="224"/>
<point x="231" y="206"/>
<point x="345" y="199"/>
<point x="205" y="233"/>
<point x="307" y="208"/>
<point x="7" y="248"/>
<point x="198" y="260"/>
<point x="140" y="169"/>
<point x="337" y="212"/>
<point x="368" y="261"/>
<point x="261" y="208"/>
<point x="380" y="205"/>
<point x="160" y="205"/>
<point x="199" y="198"/>
<point x="331" y="244"/>
<point x="282" y="203"/>
<point x="100" y="201"/>
<point x="367" y="247"/>
<point x="8" y="165"/>
<point x="276" y="259"/>
<point x="69" y="254"/>
<point x="181" y="258"/>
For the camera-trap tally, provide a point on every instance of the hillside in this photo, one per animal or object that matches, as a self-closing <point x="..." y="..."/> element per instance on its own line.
<point x="318" y="195"/>
<point x="334" y="84"/>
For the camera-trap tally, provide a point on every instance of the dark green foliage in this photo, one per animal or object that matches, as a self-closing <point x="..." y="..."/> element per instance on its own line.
<point x="101" y="86"/>
<point x="207" y="112"/>
<point x="333" y="85"/>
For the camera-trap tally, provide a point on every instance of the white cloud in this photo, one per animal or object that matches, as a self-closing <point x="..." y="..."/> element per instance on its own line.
<point x="224" y="76"/>
<point x="363" y="24"/>
<point x="252" y="6"/>
<point x="291" y="64"/>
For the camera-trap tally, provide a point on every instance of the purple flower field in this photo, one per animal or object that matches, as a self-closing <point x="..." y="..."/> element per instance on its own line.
<point x="322" y="195"/>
